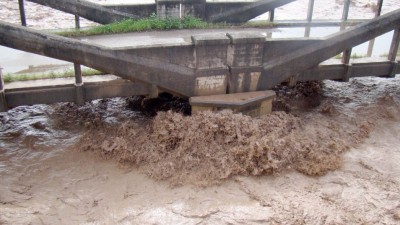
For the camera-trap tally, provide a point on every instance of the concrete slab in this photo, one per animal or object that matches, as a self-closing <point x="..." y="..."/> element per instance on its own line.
<point x="249" y="103"/>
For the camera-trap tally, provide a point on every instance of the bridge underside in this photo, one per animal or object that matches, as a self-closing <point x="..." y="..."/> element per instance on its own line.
<point x="215" y="64"/>
<point x="126" y="88"/>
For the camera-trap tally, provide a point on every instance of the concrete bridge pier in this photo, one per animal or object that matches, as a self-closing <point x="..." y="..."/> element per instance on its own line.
<point x="245" y="59"/>
<point x="211" y="71"/>
<point x="228" y="67"/>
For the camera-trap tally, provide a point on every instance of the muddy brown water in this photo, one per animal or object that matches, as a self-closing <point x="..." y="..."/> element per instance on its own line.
<point x="47" y="179"/>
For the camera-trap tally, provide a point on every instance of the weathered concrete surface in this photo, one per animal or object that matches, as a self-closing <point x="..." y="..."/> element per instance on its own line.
<point x="67" y="93"/>
<point x="181" y="8"/>
<point x="169" y="76"/>
<point x="211" y="73"/>
<point x="249" y="103"/>
<point x="87" y="10"/>
<point x="246" y="12"/>
<point x="142" y="10"/>
<point x="245" y="59"/>
<point x="215" y="63"/>
<point x="279" y="69"/>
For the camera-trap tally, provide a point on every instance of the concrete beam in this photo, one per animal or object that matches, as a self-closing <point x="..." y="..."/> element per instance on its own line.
<point x="250" y="103"/>
<point x="278" y="70"/>
<point x="172" y="77"/>
<point x="246" y="12"/>
<point x="336" y="71"/>
<point x="142" y="10"/>
<point x="87" y="10"/>
<point x="66" y="93"/>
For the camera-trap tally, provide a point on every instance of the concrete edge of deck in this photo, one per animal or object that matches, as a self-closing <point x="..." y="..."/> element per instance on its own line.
<point x="249" y="103"/>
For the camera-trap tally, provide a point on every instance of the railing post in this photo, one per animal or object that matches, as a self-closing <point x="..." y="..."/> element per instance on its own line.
<point x="346" y="8"/>
<point x="379" y="9"/>
<point x="372" y="42"/>
<point x="394" y="48"/>
<point x="271" y="15"/>
<point x="347" y="65"/>
<point x="22" y="12"/>
<point x="79" y="90"/>
<point x="370" y="47"/>
<point x="310" y="10"/>
<point x="3" y="102"/>
<point x="77" y="22"/>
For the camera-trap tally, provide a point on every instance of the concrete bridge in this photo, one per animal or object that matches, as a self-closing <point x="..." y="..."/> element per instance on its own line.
<point x="207" y="65"/>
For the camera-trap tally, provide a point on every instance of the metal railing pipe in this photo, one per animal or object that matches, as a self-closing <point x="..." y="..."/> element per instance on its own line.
<point x="310" y="10"/>
<point x="346" y="8"/>
<point x="22" y="12"/>
<point x="379" y="8"/>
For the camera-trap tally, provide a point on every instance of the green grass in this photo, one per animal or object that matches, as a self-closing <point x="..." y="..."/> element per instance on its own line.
<point x="51" y="75"/>
<point x="151" y="23"/>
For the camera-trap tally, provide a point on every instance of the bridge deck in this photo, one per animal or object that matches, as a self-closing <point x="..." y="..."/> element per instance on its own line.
<point x="218" y="63"/>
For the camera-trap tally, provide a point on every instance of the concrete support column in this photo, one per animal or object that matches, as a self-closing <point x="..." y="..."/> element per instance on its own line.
<point x="79" y="88"/>
<point x="211" y="71"/>
<point x="77" y="22"/>
<point x="245" y="58"/>
<point x="3" y="102"/>
<point x="22" y="12"/>
<point x="154" y="91"/>
<point x="395" y="65"/>
<point x="394" y="48"/>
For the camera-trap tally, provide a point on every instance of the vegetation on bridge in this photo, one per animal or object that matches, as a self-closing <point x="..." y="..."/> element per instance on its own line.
<point x="150" y="23"/>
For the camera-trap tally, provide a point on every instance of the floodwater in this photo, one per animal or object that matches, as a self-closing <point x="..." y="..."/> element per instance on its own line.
<point x="46" y="179"/>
